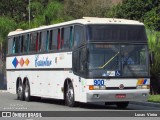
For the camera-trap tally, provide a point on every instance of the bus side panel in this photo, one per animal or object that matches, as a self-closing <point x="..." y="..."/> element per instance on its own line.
<point x="79" y="88"/>
<point x="47" y="83"/>
<point x="11" y="82"/>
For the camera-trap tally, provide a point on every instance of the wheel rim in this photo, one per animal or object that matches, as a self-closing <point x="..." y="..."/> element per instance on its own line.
<point x="19" y="90"/>
<point x="26" y="91"/>
<point x="70" y="95"/>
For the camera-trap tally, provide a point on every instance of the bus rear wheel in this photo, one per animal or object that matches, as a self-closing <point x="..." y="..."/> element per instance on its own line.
<point x="69" y="95"/>
<point x="27" y="96"/>
<point x="122" y="105"/>
<point x="20" y="92"/>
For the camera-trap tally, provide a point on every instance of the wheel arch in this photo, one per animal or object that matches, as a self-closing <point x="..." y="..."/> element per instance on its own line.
<point x="25" y="80"/>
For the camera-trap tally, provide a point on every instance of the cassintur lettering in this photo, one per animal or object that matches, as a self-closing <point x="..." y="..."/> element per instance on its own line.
<point x="43" y="62"/>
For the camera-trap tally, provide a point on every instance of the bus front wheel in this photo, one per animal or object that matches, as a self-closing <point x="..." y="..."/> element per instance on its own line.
<point x="69" y="95"/>
<point x="122" y="105"/>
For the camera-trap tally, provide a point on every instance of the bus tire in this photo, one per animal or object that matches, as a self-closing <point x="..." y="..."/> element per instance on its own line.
<point x="20" y="91"/>
<point x="122" y="105"/>
<point x="69" y="95"/>
<point x="27" y="96"/>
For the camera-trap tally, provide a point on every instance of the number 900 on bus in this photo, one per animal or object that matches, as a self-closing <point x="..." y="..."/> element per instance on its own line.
<point x="98" y="82"/>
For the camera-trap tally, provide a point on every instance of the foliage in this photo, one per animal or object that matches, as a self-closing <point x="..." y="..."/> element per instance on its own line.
<point x="146" y="11"/>
<point x="129" y="9"/>
<point x="154" y="46"/>
<point x="15" y="9"/>
<point x="54" y="11"/>
<point x="152" y="19"/>
<point x="91" y="8"/>
<point x="6" y="25"/>
<point x="154" y="98"/>
<point x="51" y="13"/>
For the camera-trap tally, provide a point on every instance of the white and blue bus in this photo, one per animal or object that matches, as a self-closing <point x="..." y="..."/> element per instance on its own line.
<point x="84" y="60"/>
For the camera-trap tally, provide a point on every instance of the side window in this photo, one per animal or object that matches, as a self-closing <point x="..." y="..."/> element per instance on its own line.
<point x="62" y="38"/>
<point x="38" y="42"/>
<point x="53" y="39"/>
<point x="37" y="37"/>
<point x="22" y="43"/>
<point x="71" y="37"/>
<point x="78" y="35"/>
<point x="10" y="45"/>
<point x="43" y="40"/>
<point x="47" y="40"/>
<point x="55" y="42"/>
<point x="83" y="61"/>
<point x="58" y="40"/>
<point x="66" y="37"/>
<point x="17" y="44"/>
<point x="28" y="41"/>
<point x="25" y="43"/>
<point x="79" y="62"/>
<point x="76" y="61"/>
<point x="66" y="41"/>
<point x="50" y="40"/>
<point x="14" y="45"/>
<point x="32" y="43"/>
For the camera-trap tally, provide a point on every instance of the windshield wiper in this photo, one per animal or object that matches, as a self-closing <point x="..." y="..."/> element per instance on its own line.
<point x="109" y="61"/>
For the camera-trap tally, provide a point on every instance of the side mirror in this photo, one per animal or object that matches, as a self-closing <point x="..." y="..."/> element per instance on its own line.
<point x="151" y="58"/>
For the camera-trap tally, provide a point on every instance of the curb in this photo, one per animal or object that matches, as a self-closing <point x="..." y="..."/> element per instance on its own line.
<point x="151" y="104"/>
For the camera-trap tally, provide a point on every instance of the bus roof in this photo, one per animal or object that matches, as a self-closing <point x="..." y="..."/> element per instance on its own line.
<point x="84" y="20"/>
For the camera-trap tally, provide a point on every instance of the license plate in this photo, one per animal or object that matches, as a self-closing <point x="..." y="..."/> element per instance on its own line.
<point x="120" y="95"/>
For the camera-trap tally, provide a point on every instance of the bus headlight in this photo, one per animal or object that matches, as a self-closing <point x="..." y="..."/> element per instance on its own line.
<point x="92" y="87"/>
<point x="143" y="87"/>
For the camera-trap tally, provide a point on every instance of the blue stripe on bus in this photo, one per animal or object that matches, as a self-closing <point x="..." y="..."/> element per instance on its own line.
<point x="145" y="81"/>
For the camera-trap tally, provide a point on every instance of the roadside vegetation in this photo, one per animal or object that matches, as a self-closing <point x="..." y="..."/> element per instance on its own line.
<point x="15" y="14"/>
<point x="154" y="98"/>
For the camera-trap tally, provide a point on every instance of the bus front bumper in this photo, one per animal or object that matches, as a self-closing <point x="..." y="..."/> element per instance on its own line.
<point x="117" y="95"/>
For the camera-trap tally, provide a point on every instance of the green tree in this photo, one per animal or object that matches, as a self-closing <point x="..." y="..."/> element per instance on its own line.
<point x="16" y="9"/>
<point x="152" y="19"/>
<point x="154" y="46"/>
<point x="146" y="11"/>
<point x="91" y="8"/>
<point x="53" y="12"/>
<point x="6" y="25"/>
<point x="130" y="9"/>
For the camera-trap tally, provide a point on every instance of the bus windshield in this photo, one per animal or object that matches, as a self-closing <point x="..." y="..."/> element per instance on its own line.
<point x="118" y="60"/>
<point x="116" y="33"/>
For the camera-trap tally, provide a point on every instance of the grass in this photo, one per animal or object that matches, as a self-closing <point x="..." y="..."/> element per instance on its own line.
<point x="154" y="98"/>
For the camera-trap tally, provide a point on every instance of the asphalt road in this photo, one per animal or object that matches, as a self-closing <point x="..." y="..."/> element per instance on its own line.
<point x="8" y="102"/>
